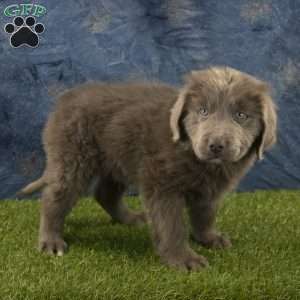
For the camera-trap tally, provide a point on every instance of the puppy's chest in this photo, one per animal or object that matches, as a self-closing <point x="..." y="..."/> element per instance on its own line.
<point x="209" y="180"/>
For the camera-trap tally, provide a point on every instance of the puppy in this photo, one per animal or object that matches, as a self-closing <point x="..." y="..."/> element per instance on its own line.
<point x="181" y="148"/>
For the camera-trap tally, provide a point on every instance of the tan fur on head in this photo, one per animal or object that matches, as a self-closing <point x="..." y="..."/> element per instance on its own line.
<point x="176" y="112"/>
<point x="269" y="135"/>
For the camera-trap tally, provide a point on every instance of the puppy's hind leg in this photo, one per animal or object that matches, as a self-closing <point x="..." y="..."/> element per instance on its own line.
<point x="59" y="196"/>
<point x="108" y="194"/>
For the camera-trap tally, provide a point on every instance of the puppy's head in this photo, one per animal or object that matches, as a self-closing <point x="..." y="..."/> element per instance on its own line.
<point x="224" y="114"/>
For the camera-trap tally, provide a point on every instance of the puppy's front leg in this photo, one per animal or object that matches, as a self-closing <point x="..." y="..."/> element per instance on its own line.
<point x="202" y="214"/>
<point x="165" y="214"/>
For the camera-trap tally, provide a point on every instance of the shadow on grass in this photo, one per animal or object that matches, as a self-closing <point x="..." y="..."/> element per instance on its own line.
<point x="105" y="236"/>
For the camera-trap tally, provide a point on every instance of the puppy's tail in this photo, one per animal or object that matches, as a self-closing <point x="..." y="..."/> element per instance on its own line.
<point x="32" y="187"/>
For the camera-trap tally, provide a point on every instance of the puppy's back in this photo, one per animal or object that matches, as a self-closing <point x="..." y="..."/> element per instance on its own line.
<point x="110" y="99"/>
<point x="118" y="120"/>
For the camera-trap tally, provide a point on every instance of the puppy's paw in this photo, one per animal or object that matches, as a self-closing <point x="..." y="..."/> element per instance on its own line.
<point x="213" y="240"/>
<point x="54" y="246"/>
<point x="188" y="261"/>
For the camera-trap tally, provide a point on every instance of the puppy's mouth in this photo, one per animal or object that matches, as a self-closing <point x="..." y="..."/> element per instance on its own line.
<point x="215" y="160"/>
<point x="219" y="158"/>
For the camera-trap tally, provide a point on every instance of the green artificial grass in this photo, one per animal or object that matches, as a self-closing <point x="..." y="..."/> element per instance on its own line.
<point x="113" y="261"/>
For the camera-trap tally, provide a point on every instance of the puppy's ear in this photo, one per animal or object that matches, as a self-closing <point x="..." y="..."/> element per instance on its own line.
<point x="269" y="120"/>
<point x="176" y="113"/>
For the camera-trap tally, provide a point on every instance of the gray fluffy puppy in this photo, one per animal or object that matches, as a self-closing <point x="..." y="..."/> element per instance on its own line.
<point x="183" y="147"/>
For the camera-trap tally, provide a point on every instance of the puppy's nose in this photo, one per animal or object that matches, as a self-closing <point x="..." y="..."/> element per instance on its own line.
<point x="216" y="148"/>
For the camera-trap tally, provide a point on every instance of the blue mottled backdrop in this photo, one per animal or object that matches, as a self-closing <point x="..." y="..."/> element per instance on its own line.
<point x="144" y="39"/>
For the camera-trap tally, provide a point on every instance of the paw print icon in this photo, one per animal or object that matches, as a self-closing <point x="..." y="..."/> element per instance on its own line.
<point x="24" y="32"/>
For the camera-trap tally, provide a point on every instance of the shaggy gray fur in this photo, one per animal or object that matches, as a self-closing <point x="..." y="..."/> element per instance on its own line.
<point x="181" y="148"/>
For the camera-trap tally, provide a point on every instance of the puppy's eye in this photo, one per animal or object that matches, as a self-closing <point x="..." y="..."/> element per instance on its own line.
<point x="241" y="116"/>
<point x="203" y="111"/>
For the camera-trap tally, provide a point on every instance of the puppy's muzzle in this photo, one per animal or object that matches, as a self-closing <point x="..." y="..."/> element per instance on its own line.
<point x="216" y="148"/>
